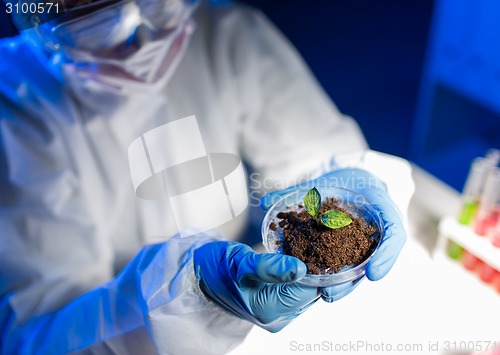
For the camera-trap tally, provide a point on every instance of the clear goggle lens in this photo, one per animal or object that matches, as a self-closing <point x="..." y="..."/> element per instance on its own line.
<point x="107" y="23"/>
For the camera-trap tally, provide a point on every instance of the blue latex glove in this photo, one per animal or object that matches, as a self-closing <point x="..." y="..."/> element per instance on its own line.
<point x="374" y="191"/>
<point x="253" y="286"/>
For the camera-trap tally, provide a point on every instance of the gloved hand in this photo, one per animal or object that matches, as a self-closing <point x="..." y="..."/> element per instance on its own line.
<point x="374" y="190"/>
<point x="253" y="286"/>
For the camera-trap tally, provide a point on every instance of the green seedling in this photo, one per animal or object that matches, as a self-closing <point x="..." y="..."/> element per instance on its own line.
<point x="312" y="203"/>
<point x="332" y="219"/>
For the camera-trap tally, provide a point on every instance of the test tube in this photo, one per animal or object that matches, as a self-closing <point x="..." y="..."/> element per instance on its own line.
<point x="454" y="250"/>
<point x="493" y="156"/>
<point x="495" y="235"/>
<point x="488" y="212"/>
<point x="487" y="273"/>
<point x="470" y="261"/>
<point x="473" y="188"/>
<point x="496" y="282"/>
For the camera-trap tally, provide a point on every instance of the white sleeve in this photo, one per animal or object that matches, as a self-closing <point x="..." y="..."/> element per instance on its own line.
<point x="156" y="297"/>
<point x="179" y="317"/>
<point x="290" y="124"/>
<point x="57" y="292"/>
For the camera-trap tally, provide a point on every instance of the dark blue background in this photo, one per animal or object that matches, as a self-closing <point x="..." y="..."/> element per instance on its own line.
<point x="368" y="55"/>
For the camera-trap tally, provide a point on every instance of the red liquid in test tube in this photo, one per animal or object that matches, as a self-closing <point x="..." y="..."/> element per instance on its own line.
<point x="496" y="282"/>
<point x="482" y="224"/>
<point x="495" y="215"/>
<point x="486" y="223"/>
<point x="487" y="273"/>
<point x="470" y="261"/>
<point x="495" y="236"/>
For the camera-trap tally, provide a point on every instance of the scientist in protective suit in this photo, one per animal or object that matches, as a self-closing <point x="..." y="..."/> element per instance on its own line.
<point x="75" y="91"/>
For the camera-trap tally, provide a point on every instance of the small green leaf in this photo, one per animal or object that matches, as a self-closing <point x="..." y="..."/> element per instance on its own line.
<point x="312" y="202"/>
<point x="335" y="219"/>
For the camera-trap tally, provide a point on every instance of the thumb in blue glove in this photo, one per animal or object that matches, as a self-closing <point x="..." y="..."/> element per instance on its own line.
<point x="258" y="287"/>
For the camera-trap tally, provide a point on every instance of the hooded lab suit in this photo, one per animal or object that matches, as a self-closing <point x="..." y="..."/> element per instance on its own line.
<point x="69" y="218"/>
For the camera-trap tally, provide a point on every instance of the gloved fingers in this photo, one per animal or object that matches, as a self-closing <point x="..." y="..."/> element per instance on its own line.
<point x="282" y="321"/>
<point x="271" y="268"/>
<point x="382" y="203"/>
<point x="392" y="242"/>
<point x="282" y="302"/>
<point x="354" y="179"/>
<point x="258" y="287"/>
<point x="271" y="198"/>
<point x="348" y="178"/>
<point x="277" y="325"/>
<point x="374" y="190"/>
<point x="296" y="296"/>
<point x="387" y="252"/>
<point x="335" y="293"/>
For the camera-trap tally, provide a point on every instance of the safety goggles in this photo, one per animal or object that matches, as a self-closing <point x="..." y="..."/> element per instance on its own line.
<point x="97" y="25"/>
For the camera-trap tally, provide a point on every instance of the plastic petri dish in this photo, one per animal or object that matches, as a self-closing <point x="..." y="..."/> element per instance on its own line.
<point x="353" y="202"/>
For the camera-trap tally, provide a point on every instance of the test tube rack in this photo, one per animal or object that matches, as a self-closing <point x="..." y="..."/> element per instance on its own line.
<point x="458" y="244"/>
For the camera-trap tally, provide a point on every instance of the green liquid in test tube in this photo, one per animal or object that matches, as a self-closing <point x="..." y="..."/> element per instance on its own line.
<point x="468" y="211"/>
<point x="454" y="250"/>
<point x="473" y="189"/>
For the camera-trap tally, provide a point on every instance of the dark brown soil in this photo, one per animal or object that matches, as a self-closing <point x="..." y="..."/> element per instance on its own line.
<point x="322" y="249"/>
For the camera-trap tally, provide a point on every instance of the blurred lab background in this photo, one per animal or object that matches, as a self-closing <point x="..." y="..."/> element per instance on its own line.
<point x="422" y="77"/>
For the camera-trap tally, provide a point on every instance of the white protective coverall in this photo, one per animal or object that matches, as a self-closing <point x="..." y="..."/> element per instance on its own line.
<point x="69" y="219"/>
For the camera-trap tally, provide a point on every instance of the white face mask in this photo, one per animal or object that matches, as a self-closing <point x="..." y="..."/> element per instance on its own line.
<point x="146" y="68"/>
<point x="124" y="46"/>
